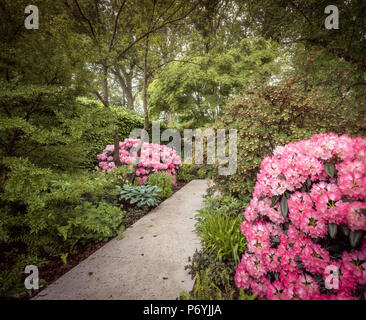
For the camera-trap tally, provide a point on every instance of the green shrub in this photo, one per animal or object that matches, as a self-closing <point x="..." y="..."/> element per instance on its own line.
<point x="121" y="175"/>
<point x="218" y="224"/>
<point x="222" y="233"/>
<point x="270" y="115"/>
<point x="92" y="223"/>
<point x="227" y="205"/>
<point x="95" y="140"/>
<point x="206" y="289"/>
<point x="164" y="181"/>
<point x="205" y="259"/>
<point x="141" y="195"/>
<point x="202" y="174"/>
<point x="184" y="173"/>
<point x="42" y="211"/>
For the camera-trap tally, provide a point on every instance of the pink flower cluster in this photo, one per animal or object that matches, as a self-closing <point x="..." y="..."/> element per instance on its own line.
<point x="153" y="158"/>
<point x="302" y="192"/>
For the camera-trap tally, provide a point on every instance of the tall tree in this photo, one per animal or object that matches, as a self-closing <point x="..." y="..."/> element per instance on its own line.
<point x="113" y="28"/>
<point x="196" y="88"/>
<point x="296" y="21"/>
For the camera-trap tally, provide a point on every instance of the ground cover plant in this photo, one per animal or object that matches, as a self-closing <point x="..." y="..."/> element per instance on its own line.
<point x="218" y="224"/>
<point x="140" y="195"/>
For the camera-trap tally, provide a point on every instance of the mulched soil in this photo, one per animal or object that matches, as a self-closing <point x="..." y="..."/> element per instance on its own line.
<point x="55" y="268"/>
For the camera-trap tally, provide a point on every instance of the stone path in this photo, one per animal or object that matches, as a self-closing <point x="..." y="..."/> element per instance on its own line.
<point x="146" y="262"/>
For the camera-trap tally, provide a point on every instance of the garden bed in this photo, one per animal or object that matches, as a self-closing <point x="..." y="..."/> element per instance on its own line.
<point x="55" y="268"/>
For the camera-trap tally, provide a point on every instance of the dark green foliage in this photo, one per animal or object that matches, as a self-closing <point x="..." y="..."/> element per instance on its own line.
<point x="207" y="260"/>
<point x="142" y="196"/>
<point x="48" y="213"/>
<point x="121" y="175"/>
<point x="188" y="172"/>
<point x="206" y="289"/>
<point x="271" y="115"/>
<point x="163" y="181"/>
<point x="184" y="173"/>
<point x="218" y="225"/>
<point x="303" y="21"/>
<point x="96" y="140"/>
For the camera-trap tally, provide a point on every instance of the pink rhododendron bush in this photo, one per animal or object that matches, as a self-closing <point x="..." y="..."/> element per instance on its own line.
<point x="153" y="158"/>
<point x="305" y="225"/>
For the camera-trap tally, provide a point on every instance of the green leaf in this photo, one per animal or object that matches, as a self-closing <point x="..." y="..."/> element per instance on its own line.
<point x="332" y="230"/>
<point x="355" y="238"/>
<point x="64" y="257"/>
<point x="330" y="169"/>
<point x="63" y="231"/>
<point x="308" y="183"/>
<point x="284" y="206"/>
<point x="275" y="199"/>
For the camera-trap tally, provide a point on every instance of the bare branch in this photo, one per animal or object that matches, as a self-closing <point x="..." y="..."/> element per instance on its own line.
<point x="100" y="98"/>
<point x="302" y="12"/>
<point x="115" y="24"/>
<point x="87" y="20"/>
<point x="147" y="33"/>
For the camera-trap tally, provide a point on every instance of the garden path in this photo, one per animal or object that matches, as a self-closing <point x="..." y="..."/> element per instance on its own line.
<point x="146" y="262"/>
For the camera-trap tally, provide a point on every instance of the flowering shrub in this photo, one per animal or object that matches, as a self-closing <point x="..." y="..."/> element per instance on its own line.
<point x="153" y="158"/>
<point x="267" y="115"/>
<point x="305" y="225"/>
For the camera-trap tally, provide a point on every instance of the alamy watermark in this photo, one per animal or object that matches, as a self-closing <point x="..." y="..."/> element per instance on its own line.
<point x="331" y="274"/>
<point x="32" y="281"/>
<point x="32" y="20"/>
<point x="332" y="21"/>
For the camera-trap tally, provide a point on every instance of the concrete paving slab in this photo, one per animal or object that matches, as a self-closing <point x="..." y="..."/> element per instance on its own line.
<point x="147" y="262"/>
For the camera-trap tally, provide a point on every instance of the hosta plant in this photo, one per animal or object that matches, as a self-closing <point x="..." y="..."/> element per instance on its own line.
<point x="141" y="196"/>
<point x="306" y="222"/>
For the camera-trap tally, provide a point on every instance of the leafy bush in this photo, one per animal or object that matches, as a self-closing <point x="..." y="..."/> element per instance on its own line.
<point x="121" y="175"/>
<point x="226" y="205"/>
<point x="140" y="195"/>
<point x="102" y="135"/>
<point x="164" y="181"/>
<point x="307" y="220"/>
<point x="218" y="223"/>
<point x="270" y="115"/>
<point x="222" y="233"/>
<point x="207" y="260"/>
<point x="206" y="289"/>
<point x="188" y="172"/>
<point x="92" y="223"/>
<point x="44" y="213"/>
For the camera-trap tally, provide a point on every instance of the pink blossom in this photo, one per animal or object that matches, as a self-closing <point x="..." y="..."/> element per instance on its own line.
<point x="316" y="197"/>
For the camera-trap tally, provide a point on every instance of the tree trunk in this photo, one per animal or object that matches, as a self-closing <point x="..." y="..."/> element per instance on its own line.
<point x="116" y="159"/>
<point x="145" y="86"/>
<point x="170" y="118"/>
<point x="125" y="82"/>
